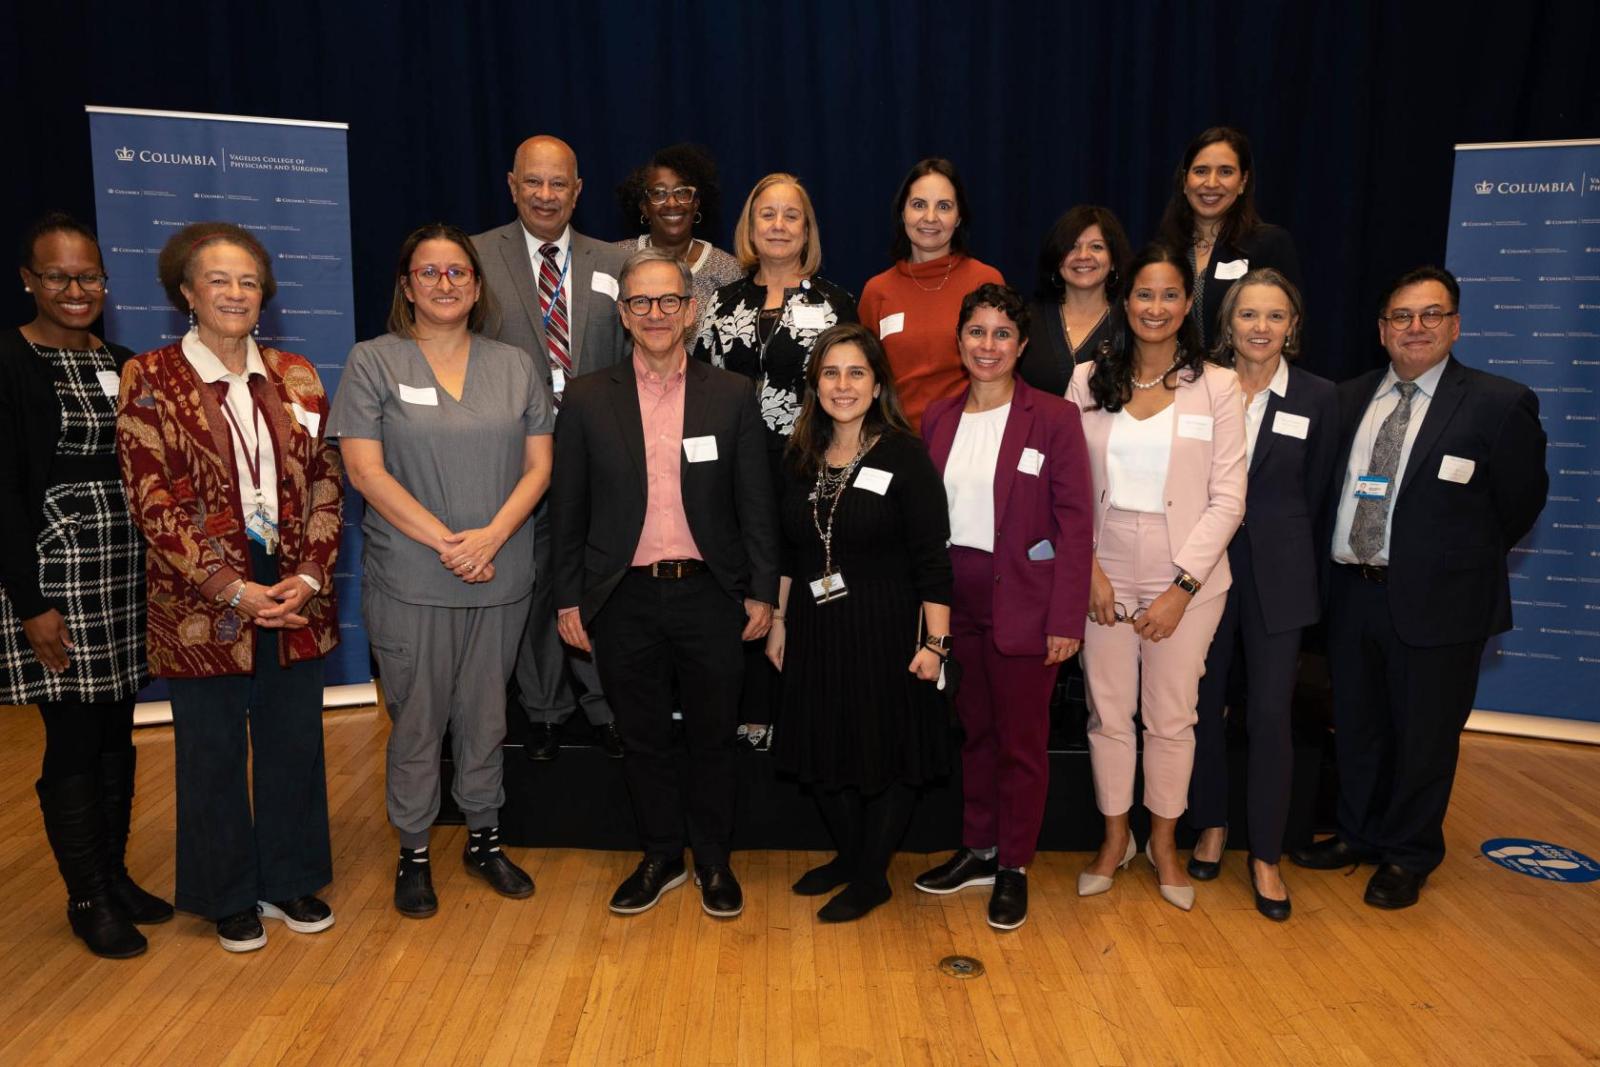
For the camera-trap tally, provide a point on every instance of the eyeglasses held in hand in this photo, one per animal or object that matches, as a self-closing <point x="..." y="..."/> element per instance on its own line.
<point x="669" y="303"/>
<point x="660" y="194"/>
<point x="1401" y="320"/>
<point x="1121" y="612"/>
<point x="428" y="275"/>
<point x="55" y="281"/>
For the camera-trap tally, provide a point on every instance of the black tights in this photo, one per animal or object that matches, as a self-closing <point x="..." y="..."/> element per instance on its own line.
<point x="76" y="734"/>
<point x="866" y="829"/>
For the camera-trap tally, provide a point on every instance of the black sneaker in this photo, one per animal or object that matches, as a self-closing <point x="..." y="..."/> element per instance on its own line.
<point x="544" y="742"/>
<point x="610" y="740"/>
<point x="720" y="895"/>
<point x="965" y="868"/>
<point x="413" y="884"/>
<point x="643" y="888"/>
<point x="484" y="859"/>
<point x="1008" y="904"/>
<point x="303" y="915"/>
<point x="241" y="931"/>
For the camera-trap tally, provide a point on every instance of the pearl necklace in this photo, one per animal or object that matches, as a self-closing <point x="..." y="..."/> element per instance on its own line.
<point x="1157" y="380"/>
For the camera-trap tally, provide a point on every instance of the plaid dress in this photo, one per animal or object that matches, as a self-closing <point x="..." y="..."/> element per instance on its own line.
<point x="91" y="555"/>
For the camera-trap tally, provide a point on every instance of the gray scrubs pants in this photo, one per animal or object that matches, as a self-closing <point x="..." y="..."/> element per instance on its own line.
<point x="443" y="667"/>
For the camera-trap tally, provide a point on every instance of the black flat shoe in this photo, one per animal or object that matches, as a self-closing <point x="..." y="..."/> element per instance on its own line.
<point x="1008" y="904"/>
<point x="610" y="740"/>
<point x="1329" y="854"/>
<point x="643" y="888"/>
<point x="720" y="895"/>
<point x="483" y="859"/>
<point x="1276" y="910"/>
<point x="544" y="742"/>
<point x="824" y="879"/>
<point x="854" y="901"/>
<point x="965" y="868"/>
<point x="413" y="885"/>
<point x="1394" y="887"/>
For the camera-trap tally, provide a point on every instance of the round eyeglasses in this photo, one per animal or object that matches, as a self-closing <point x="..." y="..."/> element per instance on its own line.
<point x="640" y="306"/>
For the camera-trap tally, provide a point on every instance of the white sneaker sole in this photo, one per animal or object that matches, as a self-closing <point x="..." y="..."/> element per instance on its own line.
<point x="673" y="884"/>
<point x="272" y="911"/>
<point x="243" y="946"/>
<point x="1008" y="926"/>
<point x="968" y="884"/>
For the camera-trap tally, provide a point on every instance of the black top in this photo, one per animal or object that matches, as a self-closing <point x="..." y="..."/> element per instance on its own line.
<point x="1047" y="362"/>
<point x="30" y="426"/>
<point x="1265" y="246"/>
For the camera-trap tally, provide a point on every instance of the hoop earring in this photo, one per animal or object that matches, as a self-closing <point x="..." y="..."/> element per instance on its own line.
<point x="698" y="218"/>
<point x="642" y="220"/>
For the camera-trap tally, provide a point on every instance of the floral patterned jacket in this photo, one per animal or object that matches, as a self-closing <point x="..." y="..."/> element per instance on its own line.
<point x="177" y="464"/>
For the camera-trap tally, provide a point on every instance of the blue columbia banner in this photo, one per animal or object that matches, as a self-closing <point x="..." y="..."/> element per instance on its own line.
<point x="1525" y="243"/>
<point x="287" y="183"/>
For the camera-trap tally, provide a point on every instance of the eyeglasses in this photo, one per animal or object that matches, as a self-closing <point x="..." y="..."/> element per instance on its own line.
<point x="640" y="306"/>
<point x="660" y="194"/>
<point x="1121" y="612"/>
<point x="55" y="281"/>
<point x="1401" y="320"/>
<point x="428" y="276"/>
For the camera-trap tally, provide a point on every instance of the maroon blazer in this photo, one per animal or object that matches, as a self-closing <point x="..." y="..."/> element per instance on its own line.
<point x="1033" y="598"/>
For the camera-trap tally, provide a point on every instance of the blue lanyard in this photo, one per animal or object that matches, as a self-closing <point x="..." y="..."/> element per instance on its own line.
<point x="566" y="261"/>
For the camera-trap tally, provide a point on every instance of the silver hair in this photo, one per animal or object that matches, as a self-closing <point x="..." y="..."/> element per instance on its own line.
<point x="656" y="255"/>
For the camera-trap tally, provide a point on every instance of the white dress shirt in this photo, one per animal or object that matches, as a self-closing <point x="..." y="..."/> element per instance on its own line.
<point x="563" y="259"/>
<point x="1378" y="408"/>
<point x="1255" y="410"/>
<point x="1137" y="454"/>
<point x="969" y="476"/>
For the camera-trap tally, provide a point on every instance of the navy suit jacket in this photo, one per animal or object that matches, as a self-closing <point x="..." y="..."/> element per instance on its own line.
<point x="1289" y="480"/>
<point x="1448" y="542"/>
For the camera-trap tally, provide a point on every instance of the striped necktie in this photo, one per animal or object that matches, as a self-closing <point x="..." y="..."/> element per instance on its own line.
<point x="553" y="305"/>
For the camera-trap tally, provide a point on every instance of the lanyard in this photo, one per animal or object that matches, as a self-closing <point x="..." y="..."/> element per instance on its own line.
<point x="250" y="449"/>
<point x="566" y="261"/>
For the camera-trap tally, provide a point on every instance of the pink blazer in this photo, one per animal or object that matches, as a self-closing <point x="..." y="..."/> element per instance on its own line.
<point x="1206" y="478"/>
<point x="1032" y="598"/>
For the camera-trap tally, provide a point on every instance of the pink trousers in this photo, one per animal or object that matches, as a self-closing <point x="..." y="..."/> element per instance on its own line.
<point x="1124" y="674"/>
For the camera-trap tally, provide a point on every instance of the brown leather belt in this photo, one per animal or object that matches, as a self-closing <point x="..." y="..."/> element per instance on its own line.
<point x="1375" y="575"/>
<point x="672" y="568"/>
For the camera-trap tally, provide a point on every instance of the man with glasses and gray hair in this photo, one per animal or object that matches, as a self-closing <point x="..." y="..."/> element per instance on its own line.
<point x="1443" y="474"/>
<point x="666" y="560"/>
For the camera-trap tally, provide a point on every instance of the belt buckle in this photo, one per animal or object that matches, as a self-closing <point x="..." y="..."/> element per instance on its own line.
<point x="1374" y="574"/>
<point x="664" y="568"/>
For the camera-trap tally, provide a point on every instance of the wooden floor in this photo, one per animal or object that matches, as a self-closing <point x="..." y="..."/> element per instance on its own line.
<point x="1492" y="967"/>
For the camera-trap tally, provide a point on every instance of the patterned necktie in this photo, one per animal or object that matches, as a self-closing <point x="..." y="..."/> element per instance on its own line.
<point x="1366" y="530"/>
<point x="553" y="305"/>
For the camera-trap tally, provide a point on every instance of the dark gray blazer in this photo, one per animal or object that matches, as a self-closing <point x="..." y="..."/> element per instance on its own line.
<point x="599" y="490"/>
<point x="597" y="337"/>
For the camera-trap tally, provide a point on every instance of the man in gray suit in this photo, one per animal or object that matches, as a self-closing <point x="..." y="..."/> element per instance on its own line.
<point x="555" y="292"/>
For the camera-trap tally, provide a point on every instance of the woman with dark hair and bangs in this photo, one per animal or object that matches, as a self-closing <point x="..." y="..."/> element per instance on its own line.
<point x="1212" y="215"/>
<point x="863" y="619"/>
<point x="1166" y="436"/>
<point x="1082" y="269"/>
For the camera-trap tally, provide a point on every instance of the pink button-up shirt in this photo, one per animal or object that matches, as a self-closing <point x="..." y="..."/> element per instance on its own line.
<point x="666" y="529"/>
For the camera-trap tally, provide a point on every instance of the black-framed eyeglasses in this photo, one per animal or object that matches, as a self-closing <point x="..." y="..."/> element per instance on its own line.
<point x="1401" y="320"/>
<point x="55" y="281"/>
<point x="669" y="303"/>
<point x="428" y="275"/>
<point x="660" y="194"/>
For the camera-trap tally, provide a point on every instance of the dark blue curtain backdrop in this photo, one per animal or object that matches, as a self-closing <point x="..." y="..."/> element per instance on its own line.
<point x="1353" y="108"/>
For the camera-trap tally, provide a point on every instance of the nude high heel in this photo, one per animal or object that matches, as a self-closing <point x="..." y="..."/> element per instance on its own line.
<point x="1179" y="896"/>
<point x="1090" y="885"/>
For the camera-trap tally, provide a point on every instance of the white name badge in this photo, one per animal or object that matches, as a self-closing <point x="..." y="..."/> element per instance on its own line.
<point x="873" y="480"/>
<point x="891" y="324"/>
<point x="700" y="449"/>
<point x="1233" y="268"/>
<point x="1195" y="427"/>
<point x="1372" y="487"/>
<point x="109" y="382"/>
<point x="810" y="317"/>
<point x="1032" y="462"/>
<point x="1291" y="425"/>
<point x="426" y="397"/>
<point x="1455" y="469"/>
<point x="558" y="380"/>
<point x="828" y="587"/>
<point x="601" y="282"/>
<point x="311" y="420"/>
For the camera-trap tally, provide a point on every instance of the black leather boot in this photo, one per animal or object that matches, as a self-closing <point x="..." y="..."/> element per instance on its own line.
<point x="72" y="822"/>
<point x="116" y="808"/>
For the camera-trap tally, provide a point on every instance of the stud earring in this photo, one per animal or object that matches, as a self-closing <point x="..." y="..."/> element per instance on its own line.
<point x="27" y="288"/>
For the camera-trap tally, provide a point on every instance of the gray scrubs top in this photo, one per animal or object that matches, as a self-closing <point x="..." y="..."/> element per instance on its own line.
<point x="460" y="458"/>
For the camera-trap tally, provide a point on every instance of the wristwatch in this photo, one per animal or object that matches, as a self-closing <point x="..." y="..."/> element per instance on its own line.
<point x="1187" y="582"/>
<point x="940" y="644"/>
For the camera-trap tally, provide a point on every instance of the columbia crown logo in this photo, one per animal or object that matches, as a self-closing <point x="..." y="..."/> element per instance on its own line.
<point x="125" y="154"/>
<point x="1483" y="188"/>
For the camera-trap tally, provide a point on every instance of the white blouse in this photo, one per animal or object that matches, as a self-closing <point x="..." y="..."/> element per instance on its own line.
<point x="1136" y="461"/>
<point x="969" y="477"/>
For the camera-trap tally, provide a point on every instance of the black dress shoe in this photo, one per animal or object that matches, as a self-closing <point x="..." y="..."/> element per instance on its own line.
<point x="1328" y="854"/>
<point x="1276" y="910"/>
<point x="1394" y="887"/>
<point x="1207" y="870"/>
<point x="484" y="859"/>
<point x="964" y="869"/>
<point x="610" y="740"/>
<point x="854" y="901"/>
<point x="720" y="895"/>
<point x="653" y="877"/>
<point x="544" y="742"/>
<point x="1008" y="904"/>
<point x="413" y="884"/>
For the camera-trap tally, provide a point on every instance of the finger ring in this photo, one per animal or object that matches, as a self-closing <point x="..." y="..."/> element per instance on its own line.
<point x="1092" y="617"/>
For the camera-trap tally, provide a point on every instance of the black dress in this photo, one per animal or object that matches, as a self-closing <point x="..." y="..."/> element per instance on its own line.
<point x="853" y="715"/>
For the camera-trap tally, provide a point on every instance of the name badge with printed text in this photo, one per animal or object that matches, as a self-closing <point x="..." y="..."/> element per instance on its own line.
<point x="891" y="324"/>
<point x="810" y="317"/>
<point x="425" y="397"/>
<point x="873" y="480"/>
<point x="1372" y="487"/>
<point x="700" y="449"/>
<point x="558" y="380"/>
<point x="601" y="282"/>
<point x="1231" y="269"/>
<point x="1291" y="425"/>
<point x="109" y="382"/>
<point x="1455" y="469"/>
<point x="1032" y="462"/>
<point x="1195" y="427"/>
<point x="828" y="587"/>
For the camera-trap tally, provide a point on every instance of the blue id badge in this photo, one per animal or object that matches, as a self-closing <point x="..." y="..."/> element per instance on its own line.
<point x="1372" y="487"/>
<point x="1042" y="550"/>
<point x="263" y="531"/>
